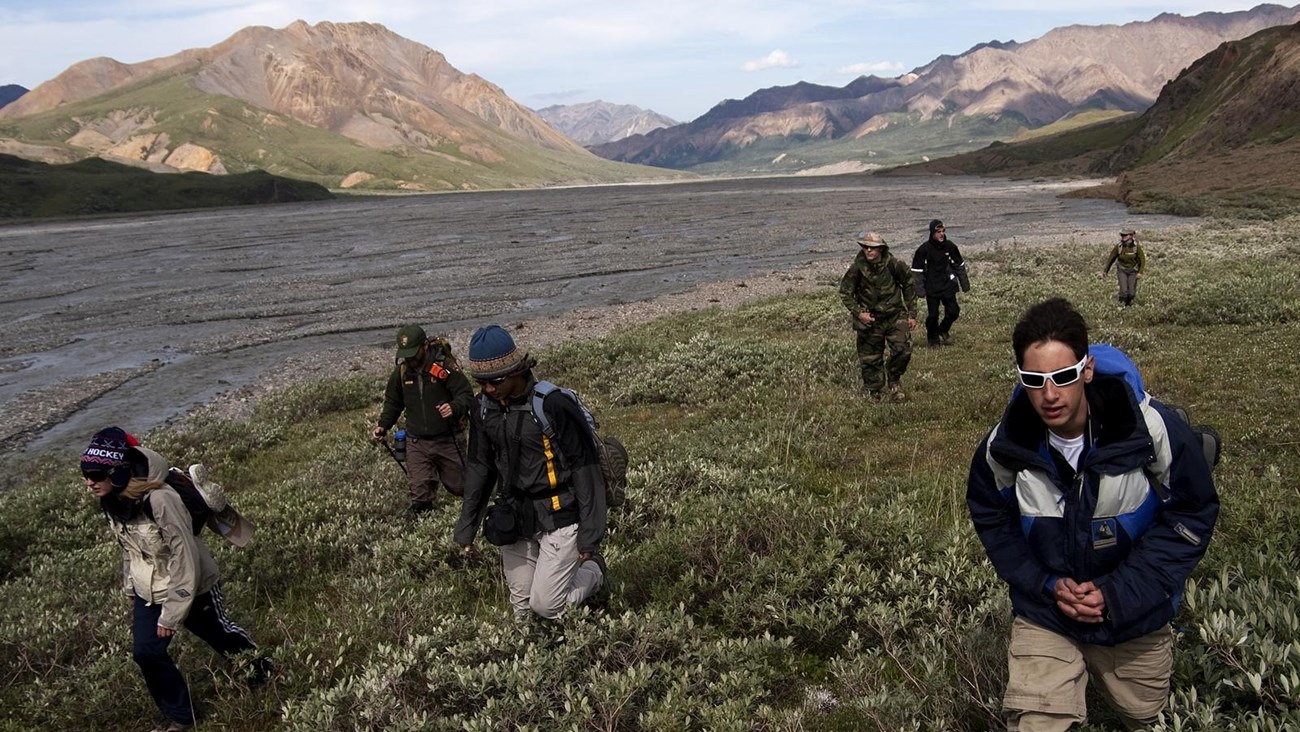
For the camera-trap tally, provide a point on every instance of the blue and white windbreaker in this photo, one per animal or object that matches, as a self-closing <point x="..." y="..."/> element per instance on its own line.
<point x="1135" y="520"/>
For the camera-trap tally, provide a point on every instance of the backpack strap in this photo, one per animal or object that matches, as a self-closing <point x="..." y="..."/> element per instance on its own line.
<point x="540" y="391"/>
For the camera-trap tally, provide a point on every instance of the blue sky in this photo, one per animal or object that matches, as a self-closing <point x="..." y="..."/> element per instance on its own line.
<point x="678" y="57"/>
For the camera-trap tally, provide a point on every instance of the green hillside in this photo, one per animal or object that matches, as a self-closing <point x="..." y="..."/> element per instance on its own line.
<point x="247" y="138"/>
<point x="31" y="189"/>
<point x="1073" y="122"/>
<point x="792" y="557"/>
<point x="906" y="140"/>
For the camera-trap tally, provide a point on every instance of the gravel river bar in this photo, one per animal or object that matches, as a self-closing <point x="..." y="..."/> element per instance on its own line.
<point x="137" y="320"/>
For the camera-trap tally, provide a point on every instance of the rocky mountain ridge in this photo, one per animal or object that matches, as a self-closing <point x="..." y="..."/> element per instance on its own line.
<point x="598" y="122"/>
<point x="337" y="85"/>
<point x="1221" y="139"/>
<point x="1065" y="71"/>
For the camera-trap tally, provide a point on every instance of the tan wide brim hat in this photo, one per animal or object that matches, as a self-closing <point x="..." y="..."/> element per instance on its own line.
<point x="232" y="525"/>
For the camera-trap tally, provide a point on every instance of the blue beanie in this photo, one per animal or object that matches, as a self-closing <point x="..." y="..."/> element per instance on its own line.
<point x="107" y="451"/>
<point x="493" y="354"/>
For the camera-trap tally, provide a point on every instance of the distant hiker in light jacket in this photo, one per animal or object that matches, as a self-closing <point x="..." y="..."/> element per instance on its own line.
<point x="549" y="516"/>
<point x="939" y="269"/>
<point x="877" y="291"/>
<point x="1131" y="261"/>
<point x="167" y="570"/>
<point x="427" y="385"/>
<point x="1094" y="504"/>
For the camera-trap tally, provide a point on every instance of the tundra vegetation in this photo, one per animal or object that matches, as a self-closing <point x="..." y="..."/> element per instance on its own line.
<point x="29" y="189"/>
<point x="791" y="557"/>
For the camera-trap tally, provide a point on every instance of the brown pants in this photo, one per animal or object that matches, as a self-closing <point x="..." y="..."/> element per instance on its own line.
<point x="1048" y="676"/>
<point x="433" y="459"/>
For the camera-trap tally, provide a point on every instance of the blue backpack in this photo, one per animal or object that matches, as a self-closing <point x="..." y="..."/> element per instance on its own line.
<point x="1110" y="361"/>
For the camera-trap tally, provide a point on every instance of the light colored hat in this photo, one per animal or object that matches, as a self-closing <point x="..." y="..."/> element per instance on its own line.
<point x="225" y="520"/>
<point x="870" y="239"/>
<point x="1127" y="232"/>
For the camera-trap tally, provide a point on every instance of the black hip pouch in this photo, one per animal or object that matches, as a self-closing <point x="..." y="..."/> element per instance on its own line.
<point x="507" y="522"/>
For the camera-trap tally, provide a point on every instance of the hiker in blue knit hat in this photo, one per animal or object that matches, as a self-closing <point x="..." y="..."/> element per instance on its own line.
<point x="549" y="513"/>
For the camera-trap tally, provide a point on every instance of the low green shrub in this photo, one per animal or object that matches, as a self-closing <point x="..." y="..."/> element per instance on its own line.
<point x="790" y="556"/>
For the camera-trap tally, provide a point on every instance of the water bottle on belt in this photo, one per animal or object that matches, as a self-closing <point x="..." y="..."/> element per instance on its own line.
<point x="399" y="445"/>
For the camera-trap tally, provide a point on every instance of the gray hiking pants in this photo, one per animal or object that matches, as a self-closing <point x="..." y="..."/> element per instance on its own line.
<point x="1128" y="285"/>
<point x="546" y="575"/>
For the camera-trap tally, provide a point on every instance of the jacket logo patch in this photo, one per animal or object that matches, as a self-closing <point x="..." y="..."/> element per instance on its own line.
<point x="183" y="593"/>
<point x="1192" y="537"/>
<point x="1105" y="533"/>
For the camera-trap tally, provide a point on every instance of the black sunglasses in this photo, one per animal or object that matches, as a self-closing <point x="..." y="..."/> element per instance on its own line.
<point x="493" y="382"/>
<point x="95" y="475"/>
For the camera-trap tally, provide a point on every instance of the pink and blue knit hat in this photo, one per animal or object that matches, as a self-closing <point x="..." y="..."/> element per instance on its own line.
<point x="107" y="452"/>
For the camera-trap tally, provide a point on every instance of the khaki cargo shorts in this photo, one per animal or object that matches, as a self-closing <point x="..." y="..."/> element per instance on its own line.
<point x="1048" y="677"/>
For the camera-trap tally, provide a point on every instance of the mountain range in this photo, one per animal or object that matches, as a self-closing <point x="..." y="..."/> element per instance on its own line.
<point x="341" y="104"/>
<point x="598" y="122"/>
<point x="953" y="103"/>
<point x="1222" y="137"/>
<point x="353" y="105"/>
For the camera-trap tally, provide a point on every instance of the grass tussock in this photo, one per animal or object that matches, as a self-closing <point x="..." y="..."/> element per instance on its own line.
<point x="791" y="556"/>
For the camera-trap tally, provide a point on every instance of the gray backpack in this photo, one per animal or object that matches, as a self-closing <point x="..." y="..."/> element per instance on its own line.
<point x="613" y="455"/>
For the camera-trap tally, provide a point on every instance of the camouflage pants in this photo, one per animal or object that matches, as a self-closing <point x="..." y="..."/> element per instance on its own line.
<point x="893" y="333"/>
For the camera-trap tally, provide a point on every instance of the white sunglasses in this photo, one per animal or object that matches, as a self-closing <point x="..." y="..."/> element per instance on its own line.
<point x="1062" y="377"/>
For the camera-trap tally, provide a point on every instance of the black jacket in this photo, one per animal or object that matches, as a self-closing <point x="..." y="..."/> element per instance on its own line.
<point x="938" y="269"/>
<point x="562" y="481"/>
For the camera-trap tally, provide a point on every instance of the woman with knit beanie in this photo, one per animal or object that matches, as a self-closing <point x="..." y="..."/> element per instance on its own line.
<point x="168" y="572"/>
<point x="549" y="514"/>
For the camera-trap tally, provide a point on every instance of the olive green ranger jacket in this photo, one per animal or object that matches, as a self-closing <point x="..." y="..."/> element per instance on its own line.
<point x="1130" y="258"/>
<point x="884" y="289"/>
<point x="418" y="392"/>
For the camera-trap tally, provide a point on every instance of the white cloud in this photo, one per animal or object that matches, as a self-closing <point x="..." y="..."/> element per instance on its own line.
<point x="892" y="68"/>
<point x="777" y="59"/>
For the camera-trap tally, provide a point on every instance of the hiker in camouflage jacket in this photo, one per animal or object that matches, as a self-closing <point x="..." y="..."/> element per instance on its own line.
<point x="879" y="294"/>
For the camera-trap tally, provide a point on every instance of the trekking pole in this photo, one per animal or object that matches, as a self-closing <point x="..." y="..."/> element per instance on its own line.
<point x="400" y="463"/>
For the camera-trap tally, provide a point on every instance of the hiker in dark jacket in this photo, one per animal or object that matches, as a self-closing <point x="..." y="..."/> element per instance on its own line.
<point x="1094" y="503"/>
<point x="429" y="387"/>
<point x="550" y="491"/>
<point x="168" y="572"/>
<point x="939" y="270"/>
<point x="877" y="291"/>
<point x="1130" y="263"/>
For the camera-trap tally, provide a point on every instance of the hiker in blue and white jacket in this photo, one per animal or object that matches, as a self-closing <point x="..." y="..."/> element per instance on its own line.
<point x="1094" y="504"/>
<point x="549" y="516"/>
